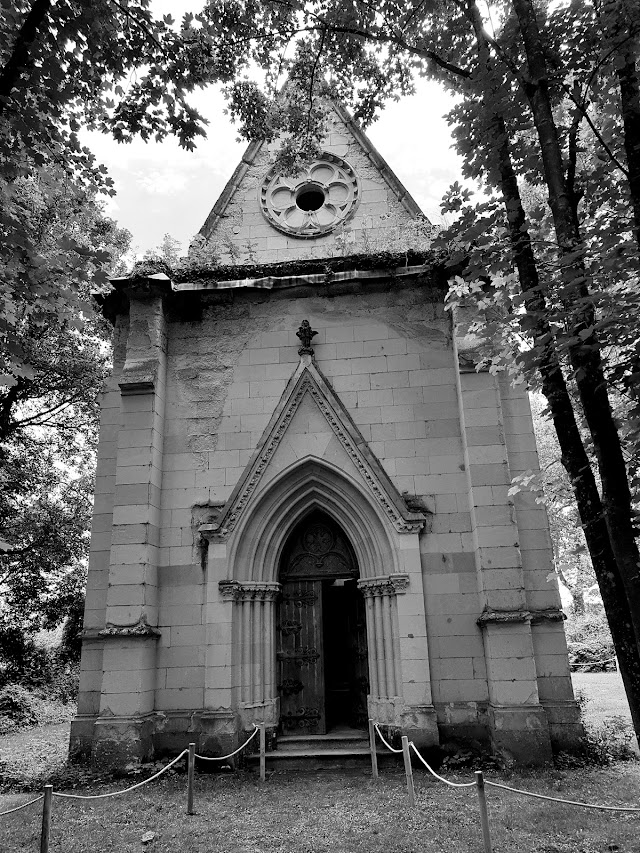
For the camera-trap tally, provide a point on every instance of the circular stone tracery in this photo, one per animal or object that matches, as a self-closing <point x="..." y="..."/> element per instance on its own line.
<point x="315" y="201"/>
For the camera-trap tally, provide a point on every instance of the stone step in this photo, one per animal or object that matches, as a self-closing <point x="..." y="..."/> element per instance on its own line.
<point x="341" y="740"/>
<point x="318" y="758"/>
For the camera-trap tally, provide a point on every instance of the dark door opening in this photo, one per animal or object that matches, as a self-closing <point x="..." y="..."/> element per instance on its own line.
<point x="321" y="631"/>
<point x="345" y="655"/>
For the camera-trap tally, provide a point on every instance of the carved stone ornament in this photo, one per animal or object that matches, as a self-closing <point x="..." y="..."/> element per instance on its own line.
<point x="385" y="585"/>
<point x="306" y="334"/>
<point x="249" y="590"/>
<point x="139" y="629"/>
<point x="323" y="196"/>
<point x="310" y="382"/>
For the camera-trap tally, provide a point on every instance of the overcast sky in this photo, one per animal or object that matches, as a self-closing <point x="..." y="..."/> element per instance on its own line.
<point x="164" y="189"/>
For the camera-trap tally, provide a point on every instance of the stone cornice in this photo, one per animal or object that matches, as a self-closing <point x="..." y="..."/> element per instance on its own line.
<point x="384" y="585"/>
<point x="138" y="630"/>
<point x="549" y="614"/>
<point x="249" y="590"/>
<point x="498" y="617"/>
<point x="502" y="617"/>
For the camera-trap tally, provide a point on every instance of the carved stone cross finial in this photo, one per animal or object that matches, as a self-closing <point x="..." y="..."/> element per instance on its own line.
<point x="305" y="333"/>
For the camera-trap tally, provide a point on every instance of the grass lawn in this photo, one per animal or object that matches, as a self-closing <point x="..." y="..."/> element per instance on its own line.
<point x="313" y="813"/>
<point x="339" y="812"/>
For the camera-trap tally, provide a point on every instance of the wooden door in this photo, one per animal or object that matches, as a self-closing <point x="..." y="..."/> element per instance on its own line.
<point x="300" y="657"/>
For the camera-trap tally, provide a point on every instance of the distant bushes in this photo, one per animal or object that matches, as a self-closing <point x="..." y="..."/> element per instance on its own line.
<point x="36" y="683"/>
<point x="589" y="640"/>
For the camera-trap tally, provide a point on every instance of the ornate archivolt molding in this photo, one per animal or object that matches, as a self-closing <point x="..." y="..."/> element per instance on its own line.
<point x="384" y="585"/>
<point x="308" y="380"/>
<point x="249" y="591"/>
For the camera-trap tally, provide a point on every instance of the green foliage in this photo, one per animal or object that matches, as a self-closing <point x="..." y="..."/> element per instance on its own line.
<point x="49" y="408"/>
<point x="104" y="65"/>
<point x="16" y="708"/>
<point x="589" y="641"/>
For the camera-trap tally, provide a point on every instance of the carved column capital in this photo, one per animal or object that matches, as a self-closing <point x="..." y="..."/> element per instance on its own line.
<point x="249" y="590"/>
<point x="384" y="585"/>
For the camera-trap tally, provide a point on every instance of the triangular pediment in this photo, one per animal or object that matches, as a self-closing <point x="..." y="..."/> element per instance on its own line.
<point x="309" y="397"/>
<point x="261" y="217"/>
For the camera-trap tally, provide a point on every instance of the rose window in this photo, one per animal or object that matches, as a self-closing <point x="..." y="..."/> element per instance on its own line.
<point x="315" y="201"/>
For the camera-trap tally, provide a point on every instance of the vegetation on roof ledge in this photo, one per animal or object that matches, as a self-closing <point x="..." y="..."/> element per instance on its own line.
<point x="190" y="272"/>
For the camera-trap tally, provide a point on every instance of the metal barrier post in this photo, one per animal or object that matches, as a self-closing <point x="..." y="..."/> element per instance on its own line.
<point x="263" y="752"/>
<point x="484" y="815"/>
<point x="408" y="769"/>
<point x="46" y="818"/>
<point x="190" y="771"/>
<point x="372" y="747"/>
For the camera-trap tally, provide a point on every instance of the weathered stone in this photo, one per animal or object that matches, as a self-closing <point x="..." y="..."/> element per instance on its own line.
<point x="244" y="404"/>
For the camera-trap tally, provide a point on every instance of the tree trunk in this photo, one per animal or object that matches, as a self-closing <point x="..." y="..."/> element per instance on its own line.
<point x="21" y="57"/>
<point x="623" y="43"/>
<point x="574" y="456"/>
<point x="585" y="358"/>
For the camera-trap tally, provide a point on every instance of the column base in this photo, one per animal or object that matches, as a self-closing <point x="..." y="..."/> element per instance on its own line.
<point x="520" y="733"/>
<point x="418" y="722"/>
<point x="121" y="741"/>
<point x="251" y="713"/>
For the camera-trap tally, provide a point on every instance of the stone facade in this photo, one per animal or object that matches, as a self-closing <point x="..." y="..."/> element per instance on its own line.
<point x="220" y="433"/>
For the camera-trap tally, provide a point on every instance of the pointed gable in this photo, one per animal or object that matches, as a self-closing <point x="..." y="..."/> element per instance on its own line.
<point x="349" y="201"/>
<point x="311" y="422"/>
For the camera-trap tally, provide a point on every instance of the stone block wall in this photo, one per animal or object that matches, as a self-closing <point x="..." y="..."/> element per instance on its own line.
<point x="382" y="221"/>
<point x="452" y="439"/>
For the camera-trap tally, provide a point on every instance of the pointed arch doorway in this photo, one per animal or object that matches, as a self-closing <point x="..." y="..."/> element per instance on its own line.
<point x="321" y="651"/>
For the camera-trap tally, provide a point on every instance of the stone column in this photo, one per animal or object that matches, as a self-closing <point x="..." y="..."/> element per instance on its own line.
<point x="517" y="721"/>
<point x="254" y="619"/>
<point x="393" y="701"/>
<point x="124" y="728"/>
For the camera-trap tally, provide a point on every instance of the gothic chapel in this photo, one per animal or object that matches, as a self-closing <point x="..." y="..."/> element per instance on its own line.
<point x="302" y="513"/>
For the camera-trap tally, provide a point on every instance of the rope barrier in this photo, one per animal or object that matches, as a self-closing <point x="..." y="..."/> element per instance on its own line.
<point x="441" y="778"/>
<point x="506" y="787"/>
<point x="23" y="806"/>
<point x="381" y="736"/>
<point x="594" y="662"/>
<point x="256" y="729"/>
<point x="124" y="790"/>
<point x="558" y="800"/>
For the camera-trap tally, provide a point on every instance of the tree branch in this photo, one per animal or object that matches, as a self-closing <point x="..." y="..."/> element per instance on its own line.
<point x="21" y="59"/>
<point x="366" y="35"/>
<point x="583" y="109"/>
<point x="139" y="24"/>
